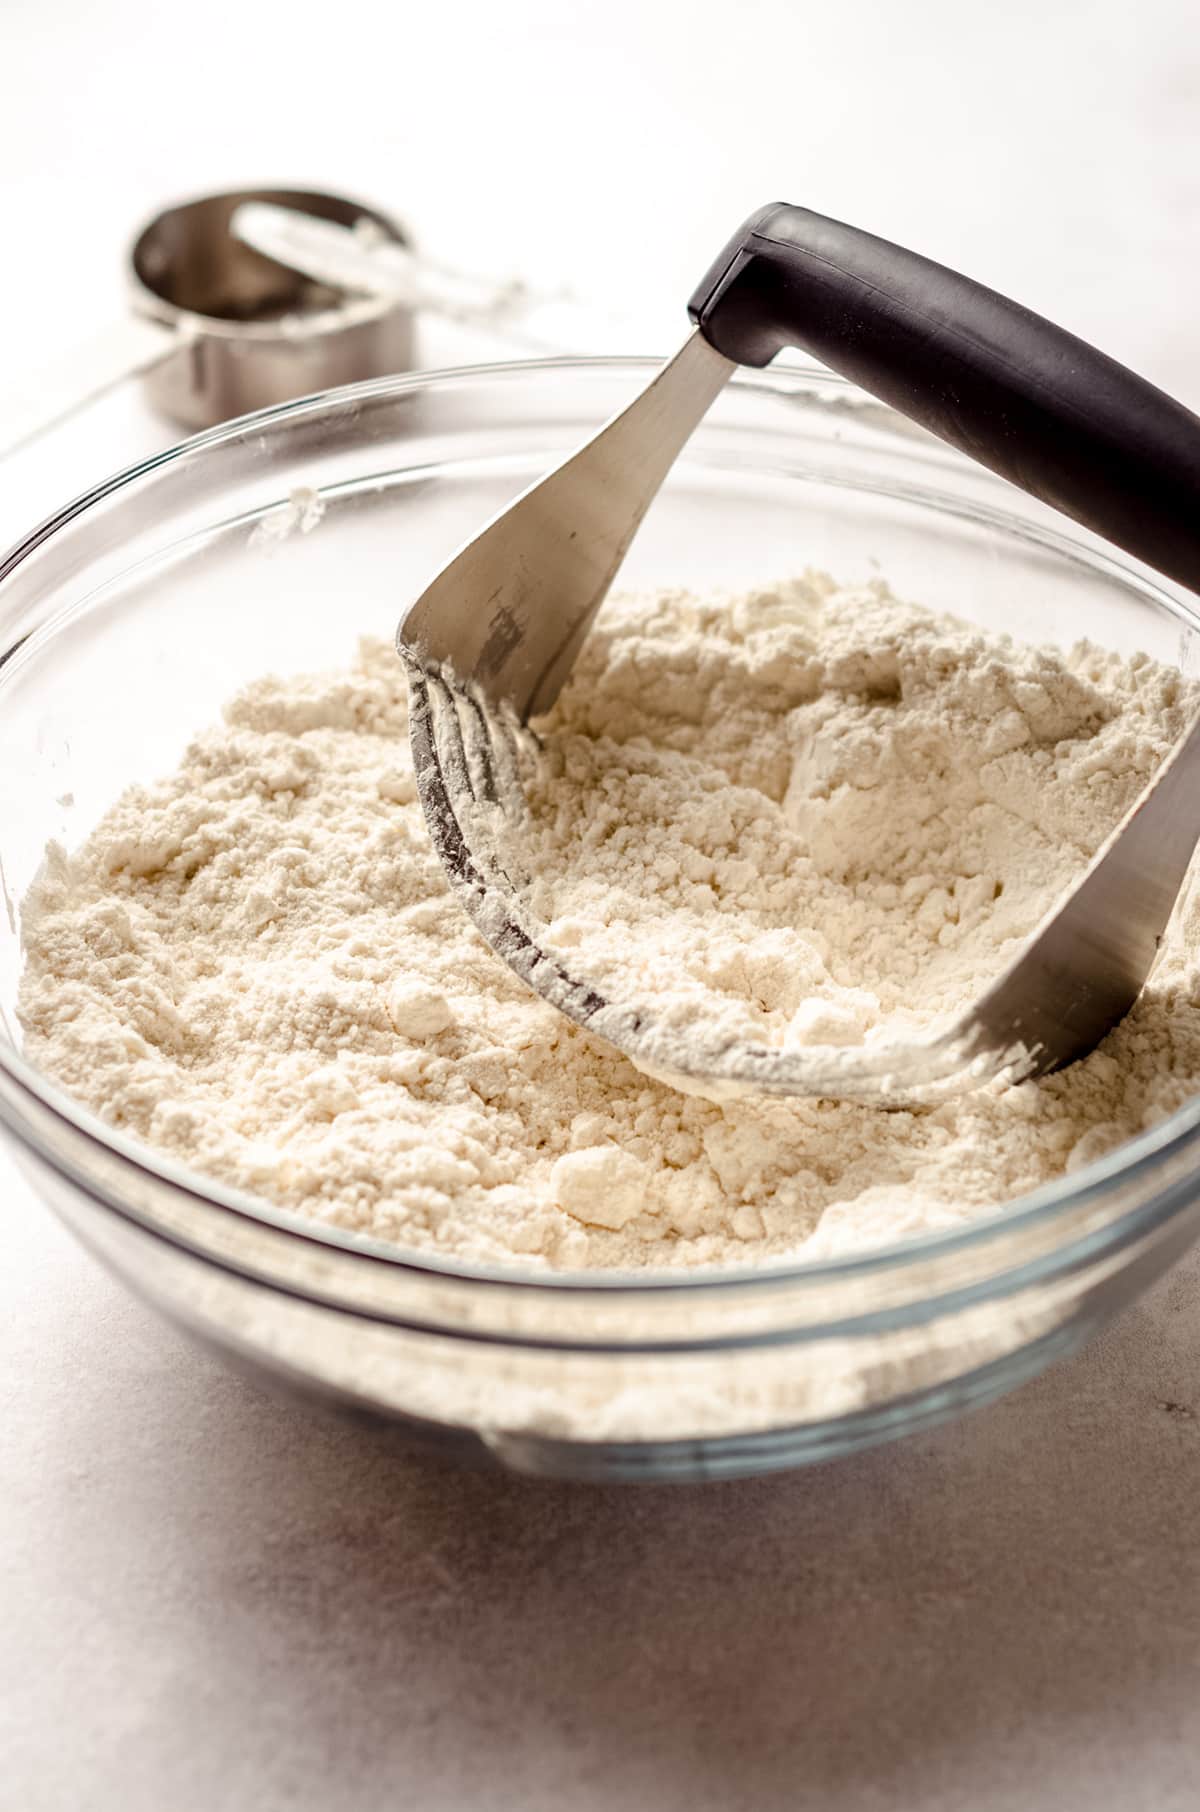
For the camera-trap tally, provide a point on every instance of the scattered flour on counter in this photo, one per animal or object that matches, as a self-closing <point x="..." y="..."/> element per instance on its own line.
<point x="825" y="809"/>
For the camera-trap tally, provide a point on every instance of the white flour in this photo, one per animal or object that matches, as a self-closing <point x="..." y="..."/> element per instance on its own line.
<point x="798" y="823"/>
<point x="816" y="810"/>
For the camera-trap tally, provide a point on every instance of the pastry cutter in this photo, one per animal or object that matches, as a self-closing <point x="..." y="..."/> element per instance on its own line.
<point x="490" y="643"/>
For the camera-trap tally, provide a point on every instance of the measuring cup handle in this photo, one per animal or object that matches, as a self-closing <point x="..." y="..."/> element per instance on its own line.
<point x="125" y="348"/>
<point x="1040" y="407"/>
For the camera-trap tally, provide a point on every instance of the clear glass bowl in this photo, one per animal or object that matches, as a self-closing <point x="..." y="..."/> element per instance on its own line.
<point x="129" y="618"/>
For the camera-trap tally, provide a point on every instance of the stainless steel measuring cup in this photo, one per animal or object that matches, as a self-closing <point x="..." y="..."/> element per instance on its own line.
<point x="217" y="328"/>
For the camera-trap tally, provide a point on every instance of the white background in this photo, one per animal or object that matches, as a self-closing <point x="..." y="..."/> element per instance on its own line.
<point x="212" y="1601"/>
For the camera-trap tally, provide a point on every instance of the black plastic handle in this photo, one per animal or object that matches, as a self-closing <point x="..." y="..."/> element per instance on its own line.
<point x="1037" y="405"/>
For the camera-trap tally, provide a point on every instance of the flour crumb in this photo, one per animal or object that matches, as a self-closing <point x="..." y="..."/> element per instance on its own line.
<point x="416" y="1010"/>
<point x="602" y="1186"/>
<point x="300" y="514"/>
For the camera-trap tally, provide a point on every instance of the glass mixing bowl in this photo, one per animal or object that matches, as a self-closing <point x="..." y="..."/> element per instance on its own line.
<point x="129" y="618"/>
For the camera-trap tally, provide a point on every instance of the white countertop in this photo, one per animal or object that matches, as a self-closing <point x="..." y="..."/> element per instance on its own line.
<point x="210" y="1600"/>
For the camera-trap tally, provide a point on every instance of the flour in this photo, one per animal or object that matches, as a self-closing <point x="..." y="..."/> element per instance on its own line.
<point x="855" y="818"/>
<point x="820" y="812"/>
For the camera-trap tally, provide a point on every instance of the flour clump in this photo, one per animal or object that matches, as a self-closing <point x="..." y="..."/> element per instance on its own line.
<point x="816" y="811"/>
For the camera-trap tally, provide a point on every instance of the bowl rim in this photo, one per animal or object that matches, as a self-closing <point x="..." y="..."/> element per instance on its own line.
<point x="1124" y="1165"/>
